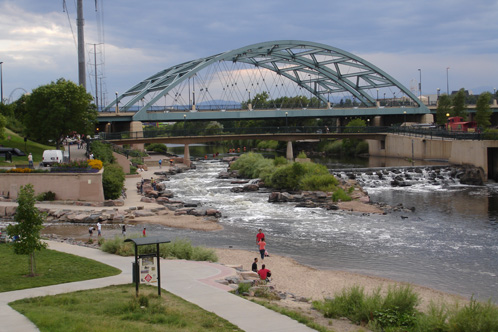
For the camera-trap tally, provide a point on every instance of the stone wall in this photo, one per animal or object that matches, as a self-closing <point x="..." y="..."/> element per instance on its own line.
<point x="66" y="186"/>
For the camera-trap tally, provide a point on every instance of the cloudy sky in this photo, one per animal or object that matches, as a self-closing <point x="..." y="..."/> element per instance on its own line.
<point x="143" y="37"/>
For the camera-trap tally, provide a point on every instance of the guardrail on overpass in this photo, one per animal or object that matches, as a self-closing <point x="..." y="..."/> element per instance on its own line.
<point x="299" y="131"/>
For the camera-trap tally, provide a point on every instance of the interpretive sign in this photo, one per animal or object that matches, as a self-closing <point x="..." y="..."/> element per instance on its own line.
<point x="148" y="270"/>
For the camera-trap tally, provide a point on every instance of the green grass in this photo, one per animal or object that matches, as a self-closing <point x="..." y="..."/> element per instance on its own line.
<point x="52" y="267"/>
<point x="116" y="308"/>
<point x="17" y="141"/>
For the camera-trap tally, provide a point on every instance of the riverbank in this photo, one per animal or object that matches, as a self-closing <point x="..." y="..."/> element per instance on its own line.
<point x="304" y="281"/>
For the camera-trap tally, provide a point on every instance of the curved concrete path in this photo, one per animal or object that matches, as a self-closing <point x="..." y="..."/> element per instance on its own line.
<point x="193" y="281"/>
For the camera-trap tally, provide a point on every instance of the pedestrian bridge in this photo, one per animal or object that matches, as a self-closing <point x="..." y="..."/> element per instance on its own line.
<point x="277" y="79"/>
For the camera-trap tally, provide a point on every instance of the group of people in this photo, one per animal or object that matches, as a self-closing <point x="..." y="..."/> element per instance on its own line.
<point x="264" y="273"/>
<point x="99" y="229"/>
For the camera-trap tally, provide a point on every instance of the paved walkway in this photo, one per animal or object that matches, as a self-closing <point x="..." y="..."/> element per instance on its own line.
<point x="193" y="281"/>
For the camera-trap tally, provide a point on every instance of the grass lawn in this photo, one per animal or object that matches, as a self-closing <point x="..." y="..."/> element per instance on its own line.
<point x="116" y="308"/>
<point x="52" y="267"/>
<point x="17" y="141"/>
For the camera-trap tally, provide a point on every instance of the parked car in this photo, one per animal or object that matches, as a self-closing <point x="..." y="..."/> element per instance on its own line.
<point x="51" y="157"/>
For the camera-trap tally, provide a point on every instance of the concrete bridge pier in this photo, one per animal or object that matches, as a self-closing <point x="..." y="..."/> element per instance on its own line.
<point x="290" y="153"/>
<point x="186" y="155"/>
<point x="138" y="132"/>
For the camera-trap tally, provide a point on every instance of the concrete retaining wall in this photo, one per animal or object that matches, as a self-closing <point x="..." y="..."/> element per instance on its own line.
<point x="457" y="152"/>
<point x="66" y="186"/>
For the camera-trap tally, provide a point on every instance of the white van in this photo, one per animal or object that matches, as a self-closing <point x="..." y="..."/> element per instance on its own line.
<point x="51" y="157"/>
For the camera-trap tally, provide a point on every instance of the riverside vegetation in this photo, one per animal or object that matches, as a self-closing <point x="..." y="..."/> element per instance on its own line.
<point x="179" y="248"/>
<point x="278" y="173"/>
<point x="396" y="312"/>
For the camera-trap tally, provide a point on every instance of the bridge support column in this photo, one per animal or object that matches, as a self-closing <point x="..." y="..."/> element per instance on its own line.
<point x="427" y="118"/>
<point x="377" y="121"/>
<point x="186" y="155"/>
<point x="137" y="131"/>
<point x="290" y="153"/>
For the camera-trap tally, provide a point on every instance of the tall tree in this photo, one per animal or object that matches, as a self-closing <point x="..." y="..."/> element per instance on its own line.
<point x="3" y="123"/>
<point x="459" y="108"/>
<point x="443" y="109"/>
<point x="29" y="222"/>
<point x="483" y="111"/>
<point x="55" y="110"/>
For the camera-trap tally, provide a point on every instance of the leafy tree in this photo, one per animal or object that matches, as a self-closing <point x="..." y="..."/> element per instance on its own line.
<point x="55" y="110"/>
<point x="3" y="122"/>
<point x="483" y="111"/>
<point x="443" y="108"/>
<point x="27" y="229"/>
<point x="459" y="108"/>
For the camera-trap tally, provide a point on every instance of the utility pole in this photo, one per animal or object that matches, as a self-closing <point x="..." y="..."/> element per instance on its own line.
<point x="81" y="45"/>
<point x="96" y="77"/>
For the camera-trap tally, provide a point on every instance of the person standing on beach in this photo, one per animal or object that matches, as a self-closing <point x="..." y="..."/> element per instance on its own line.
<point x="262" y="246"/>
<point x="160" y="163"/>
<point x="123" y="230"/>
<point x="254" y="266"/>
<point x="99" y="229"/>
<point x="143" y="232"/>
<point x="259" y="236"/>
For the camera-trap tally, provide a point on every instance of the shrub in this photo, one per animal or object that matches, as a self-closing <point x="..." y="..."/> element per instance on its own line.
<point x="279" y="161"/>
<point x="323" y="182"/>
<point x="102" y="151"/>
<point x="361" y="148"/>
<point x="267" y="145"/>
<point x="340" y="195"/>
<point x="243" y="288"/>
<point x="46" y="196"/>
<point x="112" y="181"/>
<point x="245" y="164"/>
<point x="19" y="170"/>
<point x="302" y="155"/>
<point x="287" y="177"/>
<point x="158" y="147"/>
<point x="475" y="316"/>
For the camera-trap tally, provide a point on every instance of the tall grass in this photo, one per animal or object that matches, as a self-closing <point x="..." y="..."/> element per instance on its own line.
<point x="396" y="312"/>
<point x="179" y="248"/>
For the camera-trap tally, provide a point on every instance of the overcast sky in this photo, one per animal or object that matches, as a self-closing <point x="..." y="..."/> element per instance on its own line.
<point x="144" y="37"/>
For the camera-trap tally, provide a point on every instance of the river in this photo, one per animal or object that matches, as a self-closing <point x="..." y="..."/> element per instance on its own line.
<point x="448" y="243"/>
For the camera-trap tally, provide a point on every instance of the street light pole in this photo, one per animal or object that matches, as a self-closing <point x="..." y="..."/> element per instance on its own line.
<point x="420" y="85"/>
<point x="447" y="82"/>
<point x="1" y="82"/>
<point x="117" y="108"/>
<point x="286" y="113"/>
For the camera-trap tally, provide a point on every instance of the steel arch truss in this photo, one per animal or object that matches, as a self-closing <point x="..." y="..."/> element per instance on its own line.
<point x="318" y="68"/>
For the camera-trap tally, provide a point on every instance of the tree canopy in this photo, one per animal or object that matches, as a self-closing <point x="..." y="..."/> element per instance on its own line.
<point x="58" y="109"/>
<point x="459" y="104"/>
<point x="443" y="109"/>
<point x="483" y="111"/>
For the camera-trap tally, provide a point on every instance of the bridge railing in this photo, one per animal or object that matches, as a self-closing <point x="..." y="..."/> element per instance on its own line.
<point x="400" y="130"/>
<point x="241" y="131"/>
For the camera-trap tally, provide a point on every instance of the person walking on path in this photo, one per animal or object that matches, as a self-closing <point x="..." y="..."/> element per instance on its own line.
<point x="264" y="273"/>
<point x="262" y="246"/>
<point x="260" y="235"/>
<point x="254" y="266"/>
<point x="99" y="229"/>
<point x="160" y="163"/>
<point x="123" y="230"/>
<point x="30" y="160"/>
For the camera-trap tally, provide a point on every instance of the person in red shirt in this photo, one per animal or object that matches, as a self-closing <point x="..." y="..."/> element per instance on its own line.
<point x="260" y="235"/>
<point x="264" y="273"/>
